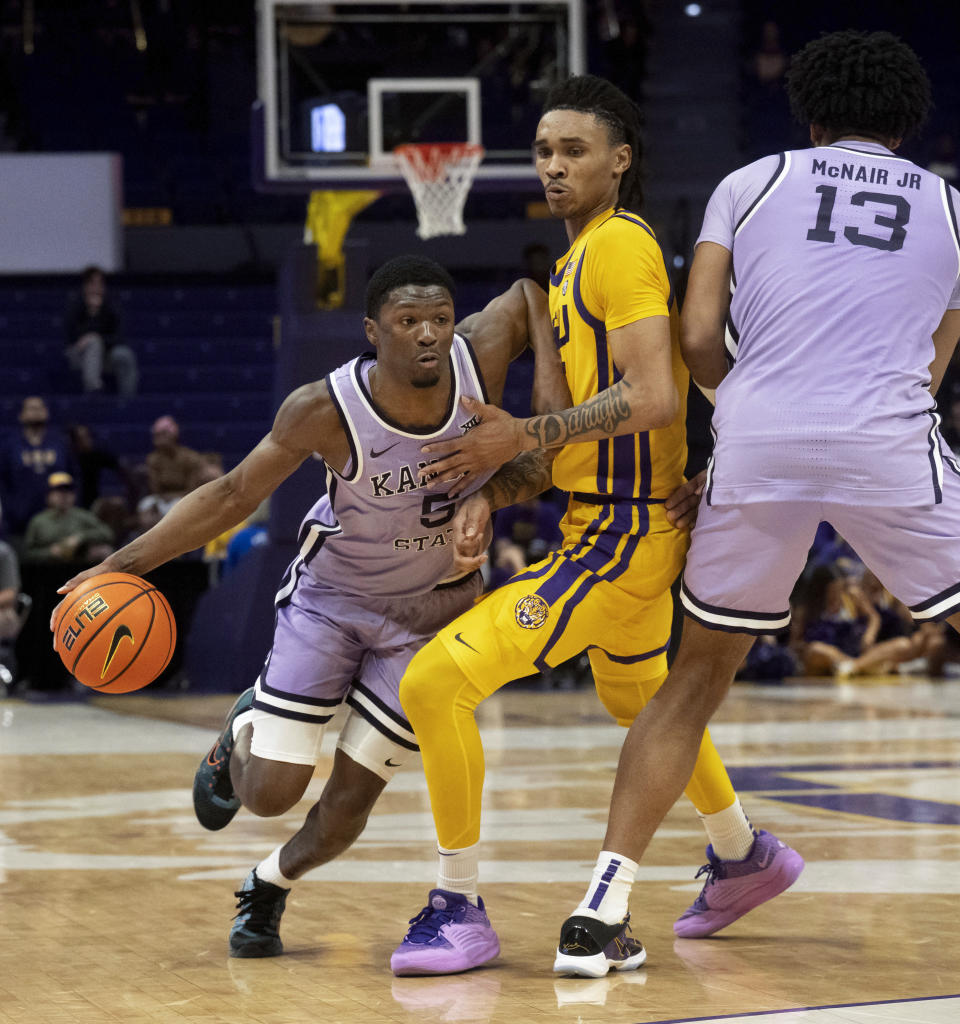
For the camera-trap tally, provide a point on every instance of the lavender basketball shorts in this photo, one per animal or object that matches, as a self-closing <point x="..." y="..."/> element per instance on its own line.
<point x="330" y="647"/>
<point x="745" y="559"/>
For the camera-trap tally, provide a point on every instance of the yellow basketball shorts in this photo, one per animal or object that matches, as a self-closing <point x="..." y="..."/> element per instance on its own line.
<point x="607" y="589"/>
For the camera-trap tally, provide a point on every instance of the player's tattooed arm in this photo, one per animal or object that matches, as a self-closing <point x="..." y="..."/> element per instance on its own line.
<point x="523" y="477"/>
<point x="604" y="412"/>
<point x="645" y="398"/>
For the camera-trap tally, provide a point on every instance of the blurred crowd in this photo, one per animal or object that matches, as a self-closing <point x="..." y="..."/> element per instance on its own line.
<point x="67" y="501"/>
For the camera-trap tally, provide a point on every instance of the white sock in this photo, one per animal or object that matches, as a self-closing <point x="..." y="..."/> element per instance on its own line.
<point x="459" y="871"/>
<point x="608" y="895"/>
<point x="268" y="870"/>
<point x="730" y="833"/>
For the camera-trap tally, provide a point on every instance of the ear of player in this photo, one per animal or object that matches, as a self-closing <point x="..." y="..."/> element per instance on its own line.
<point x="115" y="633"/>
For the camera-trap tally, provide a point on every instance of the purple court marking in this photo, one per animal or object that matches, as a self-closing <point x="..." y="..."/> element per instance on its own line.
<point x="774" y="782"/>
<point x="803" y="1009"/>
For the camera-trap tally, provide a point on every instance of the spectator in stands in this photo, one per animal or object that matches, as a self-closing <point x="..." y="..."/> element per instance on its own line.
<point x="928" y="641"/>
<point x="94" y="341"/>
<point x="253" y="534"/>
<point x="767" y="121"/>
<point x="63" y="532"/>
<point x="26" y="460"/>
<point x="13" y="609"/>
<point x="836" y="629"/>
<point x="173" y="470"/>
<point x="9" y="596"/>
<point x="92" y="461"/>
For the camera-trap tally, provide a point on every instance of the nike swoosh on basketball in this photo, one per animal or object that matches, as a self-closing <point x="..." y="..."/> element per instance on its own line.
<point x="458" y="636"/>
<point x="120" y="633"/>
<point x="374" y="454"/>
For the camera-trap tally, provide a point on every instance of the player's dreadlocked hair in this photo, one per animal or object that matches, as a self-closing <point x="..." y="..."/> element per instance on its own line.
<point x="622" y="118"/>
<point x="861" y="83"/>
<point x="400" y="271"/>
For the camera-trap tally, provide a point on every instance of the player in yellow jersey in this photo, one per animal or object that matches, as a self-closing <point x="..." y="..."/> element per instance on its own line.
<point x="619" y="450"/>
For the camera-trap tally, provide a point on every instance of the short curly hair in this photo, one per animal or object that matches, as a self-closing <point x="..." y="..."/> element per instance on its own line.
<point x="864" y="83"/>
<point x="589" y="94"/>
<point x="401" y="271"/>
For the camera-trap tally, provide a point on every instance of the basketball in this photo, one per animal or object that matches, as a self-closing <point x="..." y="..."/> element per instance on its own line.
<point x="115" y="633"/>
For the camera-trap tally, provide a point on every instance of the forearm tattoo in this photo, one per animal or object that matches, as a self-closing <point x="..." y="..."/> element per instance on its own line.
<point x="524" y="476"/>
<point x="604" y="412"/>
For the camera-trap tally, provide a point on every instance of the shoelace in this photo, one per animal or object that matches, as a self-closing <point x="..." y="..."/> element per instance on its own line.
<point x="263" y="906"/>
<point x="427" y="924"/>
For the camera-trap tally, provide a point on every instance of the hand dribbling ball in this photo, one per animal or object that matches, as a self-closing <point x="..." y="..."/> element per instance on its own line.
<point x="115" y="633"/>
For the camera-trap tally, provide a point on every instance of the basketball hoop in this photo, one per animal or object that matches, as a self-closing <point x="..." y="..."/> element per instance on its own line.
<point x="439" y="175"/>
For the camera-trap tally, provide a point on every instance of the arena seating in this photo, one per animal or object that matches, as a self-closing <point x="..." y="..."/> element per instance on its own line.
<point x="206" y="357"/>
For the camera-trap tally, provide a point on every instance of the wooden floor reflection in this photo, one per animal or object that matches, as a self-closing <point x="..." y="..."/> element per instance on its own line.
<point x="115" y="904"/>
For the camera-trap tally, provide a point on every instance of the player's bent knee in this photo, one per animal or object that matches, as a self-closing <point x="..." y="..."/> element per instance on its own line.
<point x="271" y="788"/>
<point x="431" y="680"/>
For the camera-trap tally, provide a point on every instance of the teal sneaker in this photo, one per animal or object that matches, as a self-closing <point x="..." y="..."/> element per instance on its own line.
<point x="214" y="801"/>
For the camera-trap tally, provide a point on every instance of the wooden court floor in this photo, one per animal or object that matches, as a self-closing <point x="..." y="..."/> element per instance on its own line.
<point x="115" y="904"/>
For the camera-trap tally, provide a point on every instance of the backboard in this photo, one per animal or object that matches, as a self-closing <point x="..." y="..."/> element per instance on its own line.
<point x="340" y="85"/>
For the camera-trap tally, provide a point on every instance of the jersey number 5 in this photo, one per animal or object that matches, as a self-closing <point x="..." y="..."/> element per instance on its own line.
<point x="433" y="513"/>
<point x="891" y="243"/>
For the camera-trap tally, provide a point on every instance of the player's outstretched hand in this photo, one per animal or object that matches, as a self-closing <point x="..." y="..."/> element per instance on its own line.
<point x="75" y="582"/>
<point x="471" y="534"/>
<point x="683" y="504"/>
<point x="494" y="440"/>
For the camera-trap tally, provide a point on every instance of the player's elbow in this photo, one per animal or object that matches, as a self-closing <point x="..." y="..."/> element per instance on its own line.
<point x="663" y="408"/>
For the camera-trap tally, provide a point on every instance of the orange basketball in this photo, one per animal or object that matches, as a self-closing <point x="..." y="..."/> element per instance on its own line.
<point x="115" y="633"/>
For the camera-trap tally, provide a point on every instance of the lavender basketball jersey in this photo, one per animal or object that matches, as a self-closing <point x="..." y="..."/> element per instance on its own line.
<point x="377" y="531"/>
<point x="845" y="258"/>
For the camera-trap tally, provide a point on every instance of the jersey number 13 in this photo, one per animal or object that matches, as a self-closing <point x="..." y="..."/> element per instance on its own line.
<point x="890" y="242"/>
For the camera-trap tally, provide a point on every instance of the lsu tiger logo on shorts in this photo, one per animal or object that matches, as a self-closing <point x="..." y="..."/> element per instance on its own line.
<point x="531" y="612"/>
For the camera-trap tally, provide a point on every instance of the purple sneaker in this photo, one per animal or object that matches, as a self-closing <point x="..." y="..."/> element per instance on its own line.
<point x="449" y="935"/>
<point x="734" y="887"/>
<point x="589" y="948"/>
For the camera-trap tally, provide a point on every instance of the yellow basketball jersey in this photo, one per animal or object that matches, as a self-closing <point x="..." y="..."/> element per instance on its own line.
<point x="612" y="275"/>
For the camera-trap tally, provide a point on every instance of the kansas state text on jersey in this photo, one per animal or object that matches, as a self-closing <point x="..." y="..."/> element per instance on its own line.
<point x="377" y="531"/>
<point x="845" y="258"/>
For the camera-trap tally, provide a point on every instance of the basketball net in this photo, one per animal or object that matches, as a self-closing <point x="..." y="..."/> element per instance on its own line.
<point x="439" y="174"/>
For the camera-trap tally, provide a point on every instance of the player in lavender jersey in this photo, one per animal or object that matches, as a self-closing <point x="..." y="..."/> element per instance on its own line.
<point x="374" y="579"/>
<point x="823" y="307"/>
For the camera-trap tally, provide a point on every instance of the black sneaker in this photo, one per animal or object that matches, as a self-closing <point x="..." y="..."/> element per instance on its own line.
<point x="214" y="801"/>
<point x="256" y="928"/>
<point x="589" y="948"/>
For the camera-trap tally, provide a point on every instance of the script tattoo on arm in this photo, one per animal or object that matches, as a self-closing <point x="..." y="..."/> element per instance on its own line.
<point x="524" y="476"/>
<point x="603" y="414"/>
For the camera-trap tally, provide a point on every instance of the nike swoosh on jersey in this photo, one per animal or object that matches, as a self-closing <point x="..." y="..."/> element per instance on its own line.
<point x="374" y="454"/>
<point x="458" y="636"/>
<point x="122" y="632"/>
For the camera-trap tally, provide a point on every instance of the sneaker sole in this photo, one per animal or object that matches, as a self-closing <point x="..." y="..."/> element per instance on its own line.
<point x="405" y="968"/>
<point x="252" y="951"/>
<point x="787" y="867"/>
<point x="595" y="966"/>
<point x="212" y="812"/>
